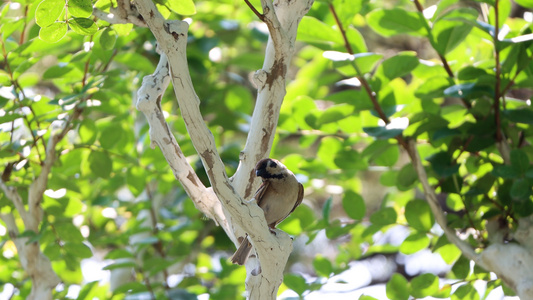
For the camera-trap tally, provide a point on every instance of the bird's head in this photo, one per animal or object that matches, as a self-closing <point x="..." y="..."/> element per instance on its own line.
<point x="269" y="168"/>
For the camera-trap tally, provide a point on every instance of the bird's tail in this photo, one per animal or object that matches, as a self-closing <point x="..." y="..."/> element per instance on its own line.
<point x="241" y="255"/>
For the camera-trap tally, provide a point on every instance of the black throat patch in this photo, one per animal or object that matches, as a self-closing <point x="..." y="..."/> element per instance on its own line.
<point x="266" y="175"/>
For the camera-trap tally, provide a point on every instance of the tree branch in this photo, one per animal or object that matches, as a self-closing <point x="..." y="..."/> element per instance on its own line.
<point x="435" y="206"/>
<point x="273" y="251"/>
<point x="270" y="81"/>
<point x="148" y="102"/>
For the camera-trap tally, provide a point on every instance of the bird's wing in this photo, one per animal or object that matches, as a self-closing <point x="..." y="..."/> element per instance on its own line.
<point x="300" y="197"/>
<point x="298" y="202"/>
<point x="261" y="192"/>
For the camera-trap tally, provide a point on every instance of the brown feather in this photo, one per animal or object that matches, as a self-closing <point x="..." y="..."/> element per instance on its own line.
<point x="277" y="196"/>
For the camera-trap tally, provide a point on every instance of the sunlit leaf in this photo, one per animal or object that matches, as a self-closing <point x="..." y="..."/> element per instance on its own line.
<point x="419" y="216"/>
<point x="48" y="11"/>
<point x="353" y="205"/>
<point x="389" y="22"/>
<point x="397" y="287"/>
<point x="182" y="7"/>
<point x="80" y="8"/>
<point x="53" y="32"/>
<point x="83" y="26"/>
<point x="424" y="285"/>
<point x="414" y="243"/>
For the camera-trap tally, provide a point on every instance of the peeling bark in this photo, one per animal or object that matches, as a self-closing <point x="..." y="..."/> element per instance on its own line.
<point x="229" y="207"/>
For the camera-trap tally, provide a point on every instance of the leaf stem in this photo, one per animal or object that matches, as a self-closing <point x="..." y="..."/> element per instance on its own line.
<point x="497" y="92"/>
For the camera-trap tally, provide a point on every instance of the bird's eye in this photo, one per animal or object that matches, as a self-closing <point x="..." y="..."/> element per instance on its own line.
<point x="273" y="164"/>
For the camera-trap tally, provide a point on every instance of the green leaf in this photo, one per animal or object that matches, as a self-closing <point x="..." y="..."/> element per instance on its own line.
<point x="318" y="33"/>
<point x="346" y="10"/>
<point x="356" y="39"/>
<point x="335" y="229"/>
<point x="48" y="11"/>
<point x="397" y="288"/>
<point x="419" y="216"/>
<point x="136" y="180"/>
<point x="111" y="135"/>
<point x="327" y="150"/>
<point x="100" y="164"/>
<point x="80" y="250"/>
<point x="5" y="79"/>
<point x="451" y="30"/>
<point x="344" y="63"/>
<point x="68" y="232"/>
<point x="382" y="132"/>
<point x="519" y="160"/>
<point x="86" y="289"/>
<point x="461" y="268"/>
<point x="424" y="285"/>
<point x="353" y="205"/>
<point x="525" y="3"/>
<point x="130" y="287"/>
<point x="443" y="165"/>
<point x="83" y="26"/>
<point x="399" y="65"/>
<point x="366" y="297"/>
<point x="135" y="61"/>
<point x="504" y="171"/>
<point x="296" y="283"/>
<point x="406" y="177"/>
<point x="389" y="22"/>
<point x="524" y="115"/>
<point x="469" y="90"/>
<point x="521" y="190"/>
<point x="326" y="210"/>
<point x="182" y="7"/>
<point x="54" y="32"/>
<point x="465" y="292"/>
<point x="384" y="216"/>
<point x="88" y="131"/>
<point x="119" y="253"/>
<point x="120" y="265"/>
<point x="504" y="10"/>
<point x="335" y="113"/>
<point x="80" y="8"/>
<point x="239" y="98"/>
<point x="122" y="29"/>
<point x="108" y="38"/>
<point x="57" y="71"/>
<point x="414" y="243"/>
<point x="433" y="87"/>
<point x="349" y="159"/>
<point x="449" y="252"/>
<point x="322" y="266"/>
<point x="10" y="117"/>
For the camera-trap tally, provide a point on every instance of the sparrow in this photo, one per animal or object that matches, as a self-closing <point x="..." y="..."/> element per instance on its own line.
<point x="278" y="196"/>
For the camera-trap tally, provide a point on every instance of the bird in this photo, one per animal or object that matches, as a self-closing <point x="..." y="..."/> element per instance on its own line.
<point x="278" y="196"/>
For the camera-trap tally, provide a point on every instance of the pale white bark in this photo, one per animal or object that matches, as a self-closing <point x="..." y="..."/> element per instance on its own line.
<point x="123" y="13"/>
<point x="282" y="18"/>
<point x="271" y="89"/>
<point x="510" y="262"/>
<point x="34" y="262"/>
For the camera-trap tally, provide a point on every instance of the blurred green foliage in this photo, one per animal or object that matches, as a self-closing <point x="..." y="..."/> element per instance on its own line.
<point x="366" y="75"/>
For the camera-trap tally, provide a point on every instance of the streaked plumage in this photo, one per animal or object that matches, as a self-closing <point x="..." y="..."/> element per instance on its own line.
<point x="278" y="196"/>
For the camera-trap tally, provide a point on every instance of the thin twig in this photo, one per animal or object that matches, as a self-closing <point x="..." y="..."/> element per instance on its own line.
<point x="159" y="245"/>
<point x="257" y="13"/>
<point x="360" y="76"/>
<point x="343" y="32"/>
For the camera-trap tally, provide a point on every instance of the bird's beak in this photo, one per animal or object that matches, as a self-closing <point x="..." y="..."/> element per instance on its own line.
<point x="260" y="172"/>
